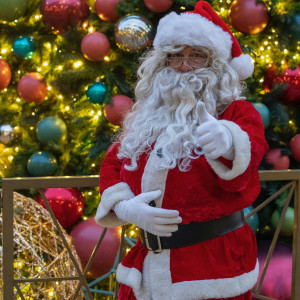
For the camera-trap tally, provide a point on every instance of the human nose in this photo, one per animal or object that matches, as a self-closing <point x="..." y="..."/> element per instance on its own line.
<point x="184" y="67"/>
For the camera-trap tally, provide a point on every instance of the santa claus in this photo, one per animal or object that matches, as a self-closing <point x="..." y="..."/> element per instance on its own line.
<point x="186" y="165"/>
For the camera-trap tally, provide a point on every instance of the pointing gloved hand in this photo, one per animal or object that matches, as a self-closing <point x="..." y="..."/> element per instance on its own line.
<point x="158" y="221"/>
<point x="214" y="138"/>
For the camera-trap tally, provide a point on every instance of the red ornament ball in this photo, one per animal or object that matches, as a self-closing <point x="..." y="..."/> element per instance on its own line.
<point x="61" y="15"/>
<point x="95" y="46"/>
<point x="248" y="16"/>
<point x="295" y="147"/>
<point x="66" y="203"/>
<point x="275" y="158"/>
<point x="116" y="111"/>
<point x="5" y="74"/>
<point x="85" y="236"/>
<point x="158" y="6"/>
<point x="278" y="279"/>
<point x="289" y="77"/>
<point x="106" y="9"/>
<point x="31" y="88"/>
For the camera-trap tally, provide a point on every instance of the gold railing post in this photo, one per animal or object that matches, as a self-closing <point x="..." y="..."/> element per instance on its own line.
<point x="8" y="242"/>
<point x="296" y="244"/>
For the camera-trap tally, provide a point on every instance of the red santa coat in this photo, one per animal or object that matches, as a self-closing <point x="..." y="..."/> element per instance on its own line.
<point x="222" y="267"/>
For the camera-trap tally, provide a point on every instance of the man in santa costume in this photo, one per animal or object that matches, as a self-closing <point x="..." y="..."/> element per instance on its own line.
<point x="186" y="165"/>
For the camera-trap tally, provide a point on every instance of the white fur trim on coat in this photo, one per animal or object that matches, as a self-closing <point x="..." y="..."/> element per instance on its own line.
<point x="110" y="197"/>
<point x="242" y="150"/>
<point x="243" y="66"/>
<point x="215" y="288"/>
<point x="193" y="30"/>
<point x="157" y="276"/>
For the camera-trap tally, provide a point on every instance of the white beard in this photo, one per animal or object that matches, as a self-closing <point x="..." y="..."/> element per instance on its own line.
<point x="169" y="111"/>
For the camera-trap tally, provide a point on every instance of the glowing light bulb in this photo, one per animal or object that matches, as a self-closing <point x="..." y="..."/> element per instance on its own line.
<point x="77" y="64"/>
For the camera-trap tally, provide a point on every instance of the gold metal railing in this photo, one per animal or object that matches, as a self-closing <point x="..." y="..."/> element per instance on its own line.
<point x="12" y="184"/>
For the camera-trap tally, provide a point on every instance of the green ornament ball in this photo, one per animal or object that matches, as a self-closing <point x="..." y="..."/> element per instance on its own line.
<point x="264" y="113"/>
<point x="51" y="129"/>
<point x="288" y="223"/>
<point x="12" y="9"/>
<point x="96" y="92"/>
<point x="24" y="47"/>
<point x="253" y="221"/>
<point x="41" y="163"/>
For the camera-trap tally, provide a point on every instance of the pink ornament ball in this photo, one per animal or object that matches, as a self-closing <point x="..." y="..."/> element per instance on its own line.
<point x="85" y="236"/>
<point x="106" y="9"/>
<point x="278" y="280"/>
<point x="295" y="147"/>
<point x="116" y="111"/>
<point x="95" y="46"/>
<point x="275" y="158"/>
<point x="67" y="204"/>
<point x="5" y="74"/>
<point x="158" y="6"/>
<point x="31" y="88"/>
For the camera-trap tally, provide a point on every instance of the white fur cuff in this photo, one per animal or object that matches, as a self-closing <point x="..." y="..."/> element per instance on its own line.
<point x="111" y="196"/>
<point x="242" y="149"/>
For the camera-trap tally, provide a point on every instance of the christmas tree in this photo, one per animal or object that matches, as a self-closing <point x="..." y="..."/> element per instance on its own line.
<point x="68" y="69"/>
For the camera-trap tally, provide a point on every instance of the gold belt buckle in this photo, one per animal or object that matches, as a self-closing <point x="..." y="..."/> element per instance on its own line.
<point x="148" y="246"/>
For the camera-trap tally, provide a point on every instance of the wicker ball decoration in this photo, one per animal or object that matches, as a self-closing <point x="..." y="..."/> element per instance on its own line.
<point x="39" y="252"/>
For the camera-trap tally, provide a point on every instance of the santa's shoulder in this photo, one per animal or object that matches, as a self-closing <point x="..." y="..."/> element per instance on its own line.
<point x="239" y="107"/>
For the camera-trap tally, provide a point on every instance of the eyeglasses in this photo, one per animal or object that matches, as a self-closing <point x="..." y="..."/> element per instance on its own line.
<point x="195" y="61"/>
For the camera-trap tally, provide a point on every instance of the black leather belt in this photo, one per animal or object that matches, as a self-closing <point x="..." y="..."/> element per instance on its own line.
<point x="193" y="233"/>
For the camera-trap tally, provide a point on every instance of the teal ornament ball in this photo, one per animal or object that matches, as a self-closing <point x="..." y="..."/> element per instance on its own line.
<point x="42" y="163"/>
<point x="96" y="92"/>
<point x="264" y="113"/>
<point x="12" y="9"/>
<point x="24" y="47"/>
<point x="253" y="221"/>
<point x="51" y="129"/>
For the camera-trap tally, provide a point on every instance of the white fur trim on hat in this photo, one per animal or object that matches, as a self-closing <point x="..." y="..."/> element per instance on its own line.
<point x="243" y="66"/>
<point x="192" y="30"/>
<point x="242" y="151"/>
<point x="111" y="196"/>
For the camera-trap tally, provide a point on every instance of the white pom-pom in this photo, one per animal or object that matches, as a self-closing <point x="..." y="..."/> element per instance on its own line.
<point x="243" y="66"/>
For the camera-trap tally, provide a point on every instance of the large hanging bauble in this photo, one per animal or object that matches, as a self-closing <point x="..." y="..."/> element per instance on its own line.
<point x="5" y="74"/>
<point x="288" y="223"/>
<point x="277" y="159"/>
<point x="39" y="252"/>
<point x="62" y="15"/>
<point x="41" y="163"/>
<point x="12" y="9"/>
<point x="295" y="147"/>
<point x="248" y="16"/>
<point x="133" y="32"/>
<point x="289" y="77"/>
<point x="264" y="113"/>
<point x="278" y="279"/>
<point x="31" y="88"/>
<point x="85" y="236"/>
<point x="158" y="6"/>
<point x="106" y="9"/>
<point x="7" y="134"/>
<point x="24" y="47"/>
<point x="96" y="92"/>
<point x="95" y="46"/>
<point x="51" y="129"/>
<point x="67" y="204"/>
<point x="253" y="221"/>
<point x="116" y="111"/>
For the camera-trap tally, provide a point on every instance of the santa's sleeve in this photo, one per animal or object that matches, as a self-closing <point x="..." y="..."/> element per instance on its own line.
<point x="245" y="125"/>
<point x="112" y="189"/>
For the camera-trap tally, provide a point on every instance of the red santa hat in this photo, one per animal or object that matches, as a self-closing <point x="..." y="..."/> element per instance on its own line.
<point x="203" y="27"/>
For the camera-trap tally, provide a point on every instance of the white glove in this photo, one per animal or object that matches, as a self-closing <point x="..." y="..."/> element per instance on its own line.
<point x="214" y="138"/>
<point x="158" y="221"/>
